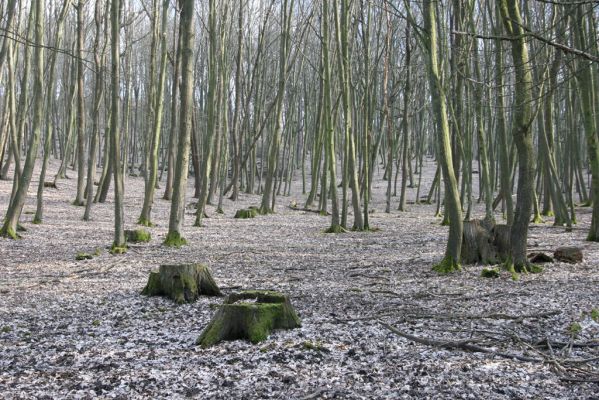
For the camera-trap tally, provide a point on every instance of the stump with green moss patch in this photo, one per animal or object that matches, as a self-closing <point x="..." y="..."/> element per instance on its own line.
<point x="137" y="236"/>
<point x="183" y="283"/>
<point x="250" y="315"/>
<point x="246" y="213"/>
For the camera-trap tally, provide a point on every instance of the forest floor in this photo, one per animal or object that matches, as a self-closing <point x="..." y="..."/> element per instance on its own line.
<point x="81" y="329"/>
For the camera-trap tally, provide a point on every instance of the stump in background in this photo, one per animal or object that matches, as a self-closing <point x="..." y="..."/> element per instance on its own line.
<point x="246" y="213"/>
<point x="137" y="236"/>
<point x="183" y="283"/>
<point x="250" y="315"/>
<point x="477" y="243"/>
<point x="501" y="241"/>
<point x="570" y="255"/>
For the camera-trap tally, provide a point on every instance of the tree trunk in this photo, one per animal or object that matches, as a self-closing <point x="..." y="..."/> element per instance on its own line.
<point x="115" y="136"/>
<point x="523" y="118"/>
<point x="186" y="31"/>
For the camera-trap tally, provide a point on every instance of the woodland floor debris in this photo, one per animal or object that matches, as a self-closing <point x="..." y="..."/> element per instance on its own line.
<point x="81" y="329"/>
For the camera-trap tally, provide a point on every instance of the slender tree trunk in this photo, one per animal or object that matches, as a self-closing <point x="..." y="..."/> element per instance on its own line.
<point x="16" y="206"/>
<point x="523" y="118"/>
<point x="152" y="171"/>
<point x="275" y="143"/>
<point x="452" y="200"/>
<point x="115" y="137"/>
<point x="186" y="31"/>
<point x="80" y="107"/>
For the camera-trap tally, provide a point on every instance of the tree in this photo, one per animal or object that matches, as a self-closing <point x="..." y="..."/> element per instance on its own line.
<point x="115" y="137"/>
<point x="15" y="208"/>
<point x="186" y="32"/>
<point x="152" y="169"/>
<point x="521" y="131"/>
<point x="452" y="200"/>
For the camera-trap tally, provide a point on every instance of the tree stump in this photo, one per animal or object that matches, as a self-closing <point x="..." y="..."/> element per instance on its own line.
<point x="137" y="236"/>
<point x="182" y="283"/>
<point x="539" y="258"/>
<point x="250" y="315"/>
<point x="501" y="241"/>
<point x="477" y="243"/>
<point x="570" y="255"/>
<point x="246" y="213"/>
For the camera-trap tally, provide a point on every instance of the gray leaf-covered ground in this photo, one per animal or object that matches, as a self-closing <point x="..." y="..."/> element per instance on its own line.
<point x="81" y="329"/>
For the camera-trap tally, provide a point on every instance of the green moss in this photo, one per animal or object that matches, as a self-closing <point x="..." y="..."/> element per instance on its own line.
<point x="336" y="229"/>
<point x="83" y="256"/>
<point x="595" y="314"/>
<point x="36" y="221"/>
<point x="97" y="252"/>
<point x="322" y="213"/>
<point x="145" y="222"/>
<point x="549" y="213"/>
<point x="153" y="287"/>
<point x="516" y="268"/>
<point x="174" y="239"/>
<point x="537" y="219"/>
<point x="6" y="329"/>
<point x="116" y="249"/>
<point x="446" y="266"/>
<point x="315" y="346"/>
<point x="138" y="236"/>
<point x="490" y="273"/>
<point x="246" y="213"/>
<point x="253" y="321"/>
<point x="264" y="210"/>
<point x="9" y="233"/>
<point x="96" y="322"/>
<point x="534" y="268"/>
<point x="575" y="328"/>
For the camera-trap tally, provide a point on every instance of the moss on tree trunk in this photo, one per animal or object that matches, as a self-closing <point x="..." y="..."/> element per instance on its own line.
<point x="250" y="315"/>
<point x="182" y="283"/>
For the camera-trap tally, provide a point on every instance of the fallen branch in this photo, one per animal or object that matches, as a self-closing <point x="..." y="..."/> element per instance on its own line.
<point x="489" y="316"/>
<point x="460" y="345"/>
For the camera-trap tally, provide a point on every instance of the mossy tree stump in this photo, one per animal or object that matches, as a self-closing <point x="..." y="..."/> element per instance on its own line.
<point x="477" y="243"/>
<point x="137" y="236"/>
<point x="250" y="315"/>
<point x="246" y="213"/>
<point x="183" y="283"/>
<point x="485" y="242"/>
